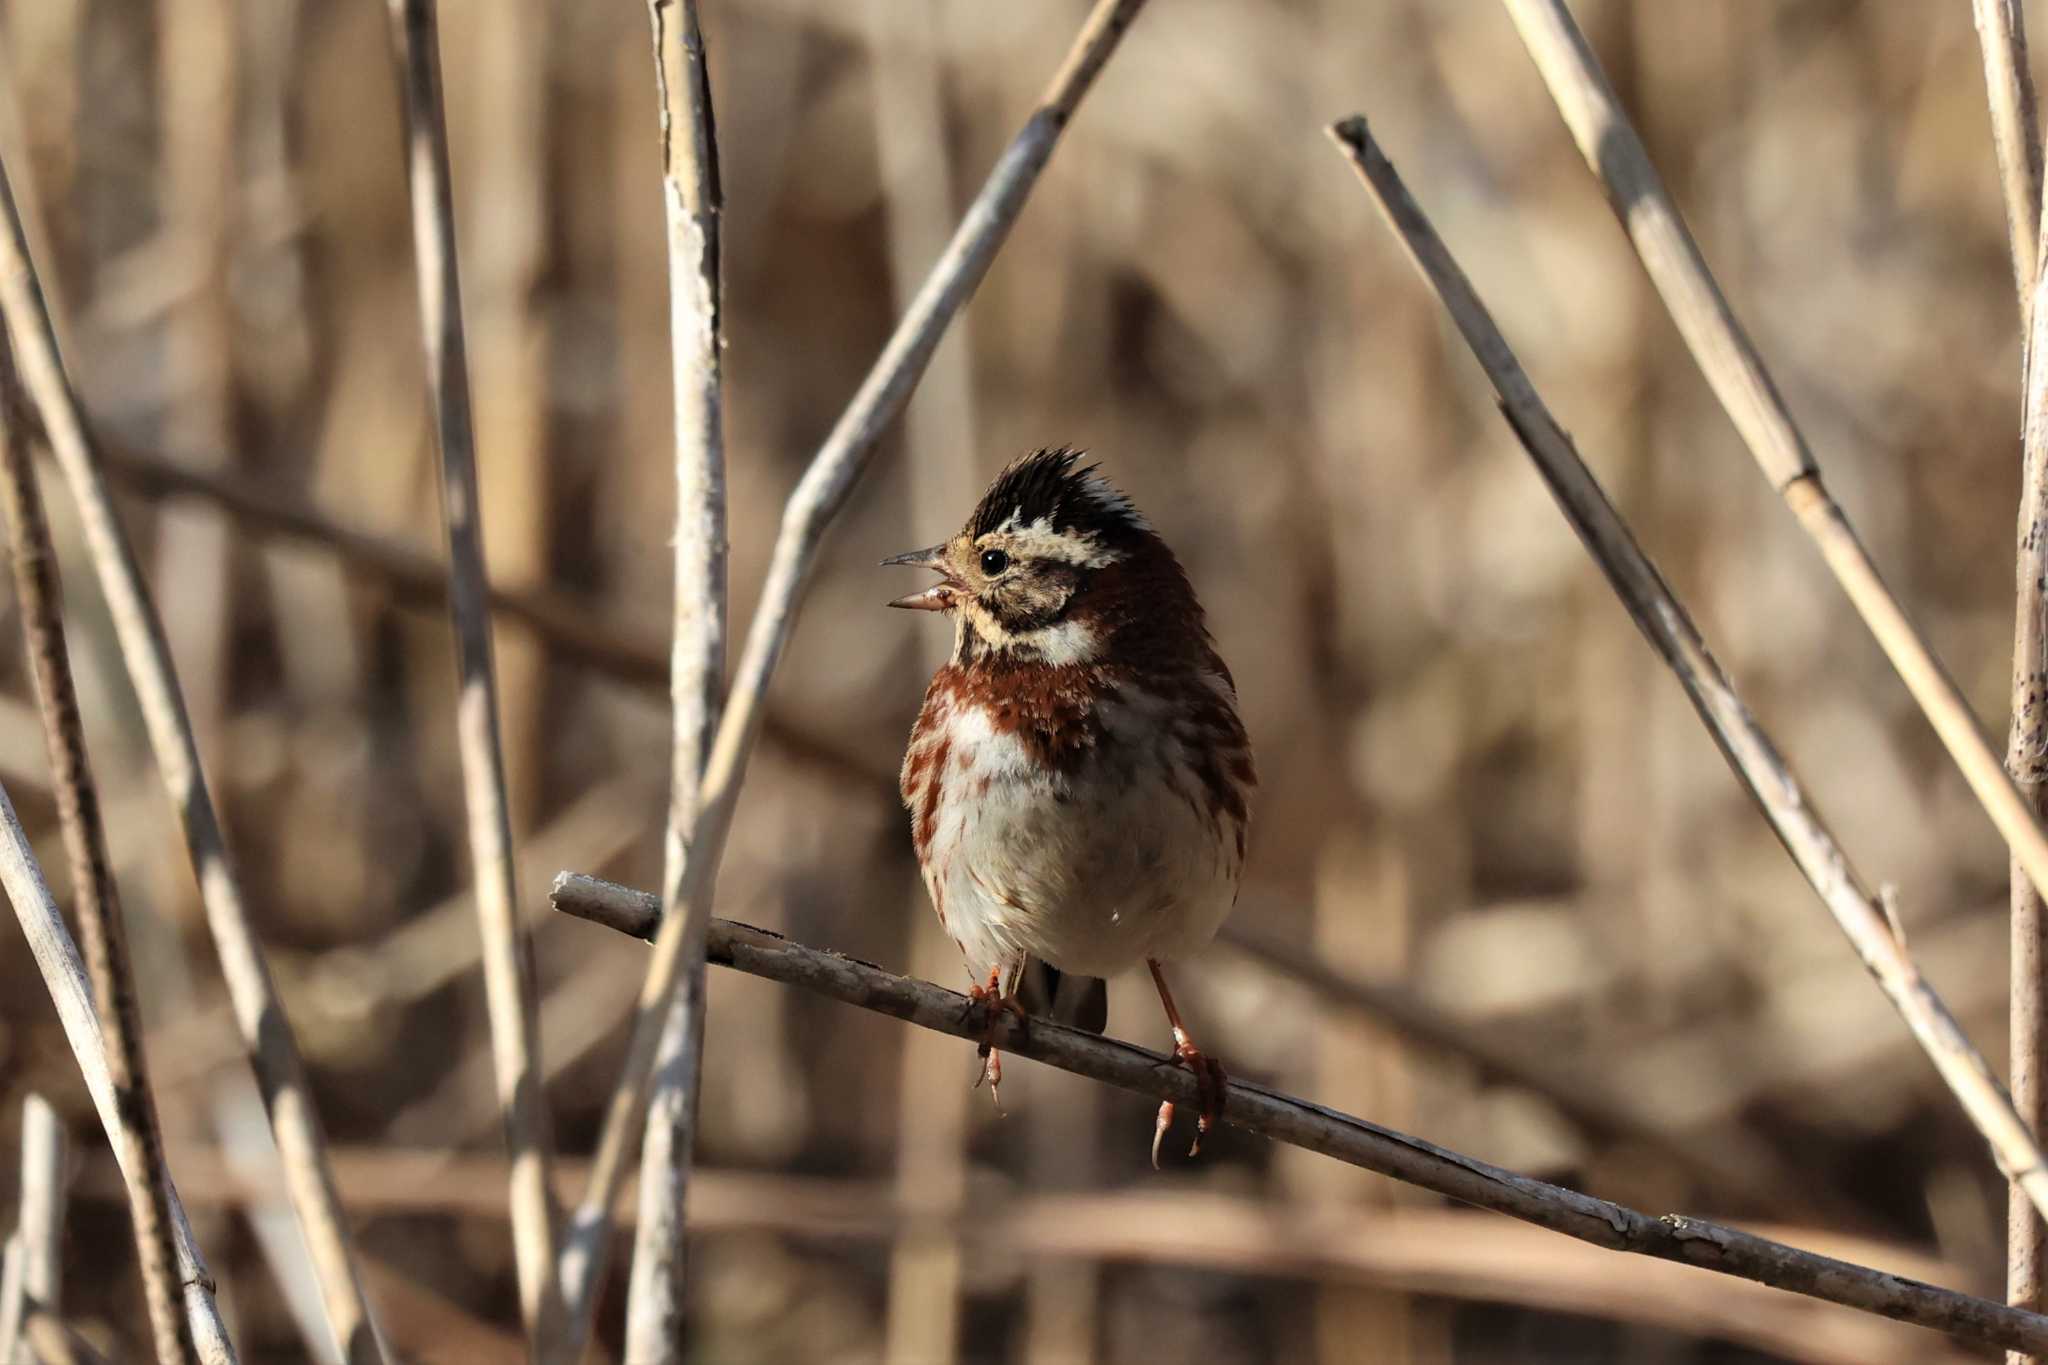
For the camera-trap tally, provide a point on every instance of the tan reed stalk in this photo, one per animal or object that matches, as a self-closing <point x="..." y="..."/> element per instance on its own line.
<point x="1283" y="1118"/>
<point x="2015" y="132"/>
<point x="34" y="562"/>
<point x="508" y="966"/>
<point x="811" y="507"/>
<point x="260" y="1017"/>
<point x="1736" y="374"/>
<point x="692" y="202"/>
<point x="2016" y="137"/>
<point x="1784" y="801"/>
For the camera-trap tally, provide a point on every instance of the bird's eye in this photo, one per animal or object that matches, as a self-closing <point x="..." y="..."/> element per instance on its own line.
<point x="993" y="562"/>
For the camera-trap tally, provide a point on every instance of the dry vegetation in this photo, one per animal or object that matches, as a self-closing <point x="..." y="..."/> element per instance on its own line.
<point x="1505" y="893"/>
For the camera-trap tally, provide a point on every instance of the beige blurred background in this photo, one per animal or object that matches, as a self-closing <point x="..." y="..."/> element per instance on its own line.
<point x="1482" y="798"/>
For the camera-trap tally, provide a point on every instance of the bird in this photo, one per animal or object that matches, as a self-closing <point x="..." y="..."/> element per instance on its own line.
<point x="1078" y="779"/>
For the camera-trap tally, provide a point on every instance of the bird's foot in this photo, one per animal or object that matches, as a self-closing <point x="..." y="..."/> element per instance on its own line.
<point x="990" y="999"/>
<point x="1209" y="1089"/>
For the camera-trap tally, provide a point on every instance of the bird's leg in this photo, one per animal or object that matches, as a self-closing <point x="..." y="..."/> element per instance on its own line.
<point x="1209" y="1078"/>
<point x="992" y="997"/>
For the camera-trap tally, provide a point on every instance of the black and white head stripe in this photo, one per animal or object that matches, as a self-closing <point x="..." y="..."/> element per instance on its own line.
<point x="1046" y="486"/>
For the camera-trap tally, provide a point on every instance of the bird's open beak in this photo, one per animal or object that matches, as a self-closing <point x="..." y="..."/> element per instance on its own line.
<point x="939" y="596"/>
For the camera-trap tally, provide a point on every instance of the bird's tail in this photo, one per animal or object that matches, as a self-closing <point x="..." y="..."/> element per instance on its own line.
<point x="1080" y="1002"/>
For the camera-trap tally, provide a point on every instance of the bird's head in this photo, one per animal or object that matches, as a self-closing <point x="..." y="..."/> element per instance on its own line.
<point x="1048" y="566"/>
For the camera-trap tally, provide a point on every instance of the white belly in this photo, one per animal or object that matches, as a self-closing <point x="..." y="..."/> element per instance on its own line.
<point x="1124" y="860"/>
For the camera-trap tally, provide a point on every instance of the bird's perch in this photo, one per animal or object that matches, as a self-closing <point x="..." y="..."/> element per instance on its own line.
<point x="1690" y="1241"/>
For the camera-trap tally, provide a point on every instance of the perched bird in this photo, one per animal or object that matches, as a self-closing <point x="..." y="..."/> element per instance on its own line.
<point x="1078" y="780"/>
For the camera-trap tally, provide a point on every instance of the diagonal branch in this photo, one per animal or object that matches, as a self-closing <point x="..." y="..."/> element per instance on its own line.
<point x="1736" y="373"/>
<point x="1670" y="631"/>
<point x="817" y="499"/>
<point x="259" y="1015"/>
<point x="508" y="964"/>
<point x="1283" y="1118"/>
<point x="34" y="561"/>
<point x="692" y="203"/>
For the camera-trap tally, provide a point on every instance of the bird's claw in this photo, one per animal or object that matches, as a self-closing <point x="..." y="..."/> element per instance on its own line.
<point x="991" y="999"/>
<point x="1209" y="1090"/>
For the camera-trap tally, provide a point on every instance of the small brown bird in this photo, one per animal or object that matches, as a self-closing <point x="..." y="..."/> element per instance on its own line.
<point x="1078" y="780"/>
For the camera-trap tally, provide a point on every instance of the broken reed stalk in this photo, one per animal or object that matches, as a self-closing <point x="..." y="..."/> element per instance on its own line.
<point x="692" y="202"/>
<point x="98" y="902"/>
<point x="259" y="1016"/>
<point x="1736" y="374"/>
<point x="64" y="976"/>
<point x="1283" y="1118"/>
<point x="507" y="957"/>
<point x="818" y="496"/>
<point x="2015" y="133"/>
<point x="1657" y="612"/>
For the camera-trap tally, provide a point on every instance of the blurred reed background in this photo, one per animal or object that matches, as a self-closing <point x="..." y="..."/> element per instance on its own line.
<point x="1482" y="796"/>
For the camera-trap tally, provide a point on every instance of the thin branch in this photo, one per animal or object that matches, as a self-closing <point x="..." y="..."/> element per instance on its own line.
<point x="692" y="203"/>
<point x="817" y="499"/>
<point x="2001" y="30"/>
<point x="572" y="627"/>
<point x="1785" y="803"/>
<point x="508" y="964"/>
<point x="1736" y="373"/>
<point x="257" y="506"/>
<point x="34" y="562"/>
<point x="2015" y="133"/>
<point x="1283" y="1118"/>
<point x="64" y="976"/>
<point x="266" y="1033"/>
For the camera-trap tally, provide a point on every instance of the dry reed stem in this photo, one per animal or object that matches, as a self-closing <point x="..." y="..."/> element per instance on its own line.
<point x="1300" y="1123"/>
<point x="692" y="202"/>
<point x="508" y="966"/>
<point x="266" y="1033"/>
<point x="1664" y="622"/>
<point x="33" y="560"/>
<point x="1738" y="378"/>
<point x="811" y="507"/>
<point x="2001" y="32"/>
<point x="2015" y="133"/>
<point x="64" y="976"/>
